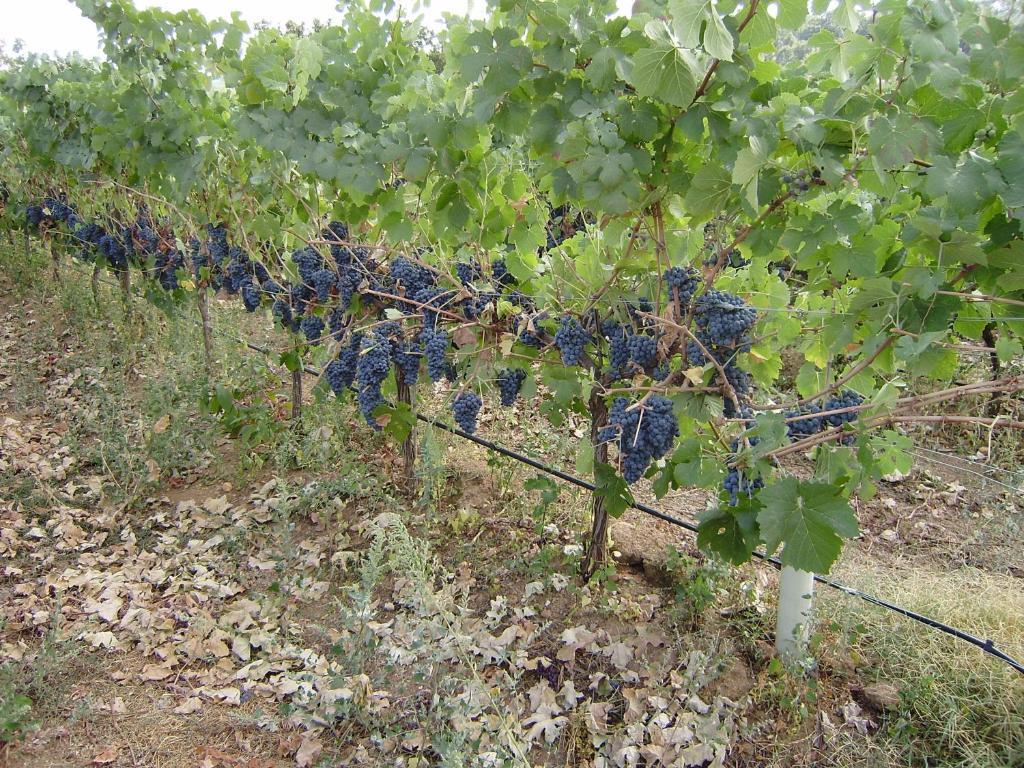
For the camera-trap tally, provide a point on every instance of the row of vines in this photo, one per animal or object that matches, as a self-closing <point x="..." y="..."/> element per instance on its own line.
<point x="718" y="259"/>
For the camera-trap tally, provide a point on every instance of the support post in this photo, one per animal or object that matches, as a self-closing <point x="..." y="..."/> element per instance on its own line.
<point x="792" y="629"/>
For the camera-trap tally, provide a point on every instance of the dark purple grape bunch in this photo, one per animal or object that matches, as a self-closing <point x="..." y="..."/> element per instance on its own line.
<point x="435" y="349"/>
<point x="739" y="480"/>
<point x="571" y="338"/>
<point x="501" y="275"/>
<point x="409" y="277"/>
<point x="643" y="432"/>
<point x="618" y="348"/>
<point x="408" y="356"/>
<point x="312" y="327"/>
<point x="371" y="371"/>
<point x="510" y="381"/>
<point x="682" y="284"/>
<point x="465" y="409"/>
<point x="725" y="318"/>
<point x="341" y="372"/>
<point x="810" y="423"/>
<point x="526" y="330"/>
<point x="468" y="272"/>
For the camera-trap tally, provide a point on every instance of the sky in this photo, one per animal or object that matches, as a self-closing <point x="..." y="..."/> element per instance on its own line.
<point x="49" y="26"/>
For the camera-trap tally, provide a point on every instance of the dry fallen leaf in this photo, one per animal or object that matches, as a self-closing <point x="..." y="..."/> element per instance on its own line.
<point x="308" y="751"/>
<point x="155" y="672"/>
<point x="107" y="756"/>
<point x="190" y="706"/>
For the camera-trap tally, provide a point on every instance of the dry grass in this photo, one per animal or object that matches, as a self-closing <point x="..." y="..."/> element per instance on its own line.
<point x="958" y="707"/>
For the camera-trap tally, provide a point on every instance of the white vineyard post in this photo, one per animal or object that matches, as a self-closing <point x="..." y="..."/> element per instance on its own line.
<point x="796" y="589"/>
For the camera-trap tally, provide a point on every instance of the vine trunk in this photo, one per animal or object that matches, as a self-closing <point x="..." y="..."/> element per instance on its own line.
<point x="409" y="444"/>
<point x="297" y="394"/>
<point x="597" y="543"/>
<point x="204" y="314"/>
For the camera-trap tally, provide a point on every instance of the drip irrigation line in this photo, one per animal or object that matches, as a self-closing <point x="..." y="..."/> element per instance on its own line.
<point x="988" y="646"/>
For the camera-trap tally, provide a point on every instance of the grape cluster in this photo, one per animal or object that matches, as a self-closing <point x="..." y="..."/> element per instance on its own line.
<point x="642" y="349"/>
<point x="341" y="372"/>
<point x="475" y="306"/>
<point x="571" y="338"/>
<point x="800" y="181"/>
<point x="312" y="327"/>
<point x="561" y="226"/>
<point x="408" y="357"/>
<point x="410" y="276"/>
<point x="34" y="215"/>
<point x="282" y="310"/>
<point x="238" y="272"/>
<point x="510" y="381"/>
<point x="682" y="284"/>
<point x="524" y="334"/>
<point x="336" y="234"/>
<point x="812" y="424"/>
<point x="501" y="275"/>
<point x="643" y="433"/>
<point x="618" y="348"/>
<point x="435" y="347"/>
<point x="520" y="299"/>
<point x="56" y="209"/>
<point x="309" y="263"/>
<point x="733" y="259"/>
<point x="737" y="480"/>
<point x="323" y="282"/>
<point x="371" y="370"/>
<point x="217" y="243"/>
<point x="434" y="297"/>
<point x="167" y="266"/>
<point x="113" y="250"/>
<point x="468" y="271"/>
<point x="724" y="317"/>
<point x="637" y="311"/>
<point x="251" y="296"/>
<point x="465" y="408"/>
<point x="88" y="236"/>
<point x="845" y="399"/>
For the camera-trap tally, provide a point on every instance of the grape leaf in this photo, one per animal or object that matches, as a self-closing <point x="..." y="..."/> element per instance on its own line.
<point x="717" y="39"/>
<point x="808" y="520"/>
<point x="730" y="532"/>
<point x="660" y="72"/>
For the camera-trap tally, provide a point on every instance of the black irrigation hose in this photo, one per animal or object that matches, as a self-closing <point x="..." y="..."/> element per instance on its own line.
<point x="988" y="646"/>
